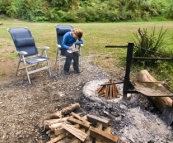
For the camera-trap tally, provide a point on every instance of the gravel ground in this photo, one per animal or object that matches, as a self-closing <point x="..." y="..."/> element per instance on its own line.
<point x="24" y="107"/>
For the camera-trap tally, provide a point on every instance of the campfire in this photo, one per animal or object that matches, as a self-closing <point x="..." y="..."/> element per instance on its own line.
<point x="108" y="90"/>
<point x="66" y="125"/>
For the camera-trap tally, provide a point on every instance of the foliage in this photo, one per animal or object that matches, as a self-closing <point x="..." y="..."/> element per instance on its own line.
<point x="86" y="10"/>
<point x="150" y="45"/>
<point x="170" y="11"/>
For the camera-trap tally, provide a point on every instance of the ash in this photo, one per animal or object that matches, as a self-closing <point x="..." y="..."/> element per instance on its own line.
<point x="24" y="107"/>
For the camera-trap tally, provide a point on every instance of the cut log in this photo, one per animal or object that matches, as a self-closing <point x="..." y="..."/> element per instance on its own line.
<point x="75" y="140"/>
<point x="99" y="89"/>
<point x="102" y="91"/>
<point x="56" y="125"/>
<point x="95" y="119"/>
<point x="53" y="121"/>
<point x="76" y="132"/>
<point x="70" y="108"/>
<point x="75" y="121"/>
<point x="64" y="111"/>
<point x="159" y="102"/>
<point x="104" y="136"/>
<point x="80" y="118"/>
<point x="144" y="76"/>
<point x="109" y="90"/>
<point x="59" y="131"/>
<point x="63" y="131"/>
<point x="114" y="91"/>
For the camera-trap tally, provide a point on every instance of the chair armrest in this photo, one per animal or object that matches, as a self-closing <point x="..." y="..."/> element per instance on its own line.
<point x="22" y="52"/>
<point x="59" y="46"/>
<point x="44" y="48"/>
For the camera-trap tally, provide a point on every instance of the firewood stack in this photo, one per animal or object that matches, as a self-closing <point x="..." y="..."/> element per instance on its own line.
<point x="73" y="128"/>
<point x="108" y="90"/>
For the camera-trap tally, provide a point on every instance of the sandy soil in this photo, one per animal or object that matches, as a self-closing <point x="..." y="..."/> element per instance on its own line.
<point x="24" y="107"/>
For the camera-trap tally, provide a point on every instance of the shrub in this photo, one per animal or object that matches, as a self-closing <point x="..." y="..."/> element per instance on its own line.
<point x="149" y="45"/>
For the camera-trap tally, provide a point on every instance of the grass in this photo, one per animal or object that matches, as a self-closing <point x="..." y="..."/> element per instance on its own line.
<point x="96" y="36"/>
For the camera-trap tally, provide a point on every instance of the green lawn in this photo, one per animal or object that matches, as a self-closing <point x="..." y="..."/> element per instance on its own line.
<point x="96" y="36"/>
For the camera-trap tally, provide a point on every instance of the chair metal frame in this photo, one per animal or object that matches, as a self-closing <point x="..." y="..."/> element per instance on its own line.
<point x="23" y="42"/>
<point x="59" y="56"/>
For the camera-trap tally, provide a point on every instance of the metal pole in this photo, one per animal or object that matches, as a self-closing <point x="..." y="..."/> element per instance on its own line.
<point x="127" y="72"/>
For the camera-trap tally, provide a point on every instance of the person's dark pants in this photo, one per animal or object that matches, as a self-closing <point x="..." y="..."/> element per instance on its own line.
<point x="69" y="57"/>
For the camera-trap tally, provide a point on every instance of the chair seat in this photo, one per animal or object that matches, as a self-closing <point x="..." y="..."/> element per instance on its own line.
<point x="36" y="60"/>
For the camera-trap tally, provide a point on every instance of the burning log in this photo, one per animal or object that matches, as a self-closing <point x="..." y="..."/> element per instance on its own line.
<point x="109" y="90"/>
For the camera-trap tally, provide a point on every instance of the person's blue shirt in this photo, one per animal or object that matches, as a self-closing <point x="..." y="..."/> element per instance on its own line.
<point x="69" y="40"/>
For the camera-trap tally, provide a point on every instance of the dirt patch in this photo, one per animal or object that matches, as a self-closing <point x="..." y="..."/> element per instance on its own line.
<point x="24" y="107"/>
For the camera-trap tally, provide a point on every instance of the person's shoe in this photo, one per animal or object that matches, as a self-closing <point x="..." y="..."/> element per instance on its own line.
<point x="77" y="71"/>
<point x="66" y="73"/>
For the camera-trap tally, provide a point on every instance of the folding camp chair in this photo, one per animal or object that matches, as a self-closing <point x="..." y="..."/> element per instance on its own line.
<point x="61" y="29"/>
<point x="27" y="51"/>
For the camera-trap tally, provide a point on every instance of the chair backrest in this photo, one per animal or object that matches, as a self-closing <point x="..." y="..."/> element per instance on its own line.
<point x="61" y="29"/>
<point x="23" y="40"/>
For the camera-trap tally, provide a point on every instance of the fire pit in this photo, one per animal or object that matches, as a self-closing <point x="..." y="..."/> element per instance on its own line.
<point x="90" y="90"/>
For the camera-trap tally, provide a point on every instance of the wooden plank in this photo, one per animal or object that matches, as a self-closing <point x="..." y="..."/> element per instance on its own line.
<point x="106" y="137"/>
<point x="76" y="132"/>
<point x="111" y="92"/>
<point x="108" y="129"/>
<point x="111" y="89"/>
<point x="118" y="92"/>
<point x="53" y="140"/>
<point x="100" y="89"/>
<point x="95" y="119"/>
<point x="114" y="91"/>
<point x="75" y="121"/>
<point x="99" y="126"/>
<point x="88" y="139"/>
<point x="107" y="92"/>
<point x="62" y="131"/>
<point x="80" y="118"/>
<point x="75" y="140"/>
